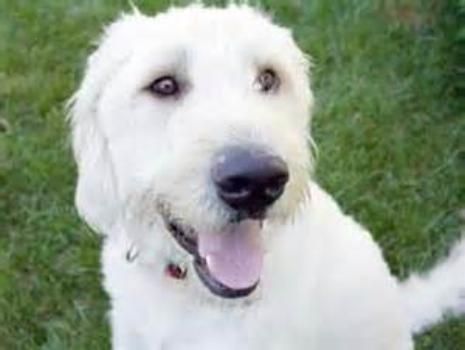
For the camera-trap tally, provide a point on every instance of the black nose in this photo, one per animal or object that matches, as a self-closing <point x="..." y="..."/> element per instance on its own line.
<point x="249" y="180"/>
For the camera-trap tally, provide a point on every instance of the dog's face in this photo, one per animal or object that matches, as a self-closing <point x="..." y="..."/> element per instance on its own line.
<point x="190" y="131"/>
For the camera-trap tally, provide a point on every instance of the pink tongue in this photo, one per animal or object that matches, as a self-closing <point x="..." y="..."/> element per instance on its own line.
<point x="234" y="257"/>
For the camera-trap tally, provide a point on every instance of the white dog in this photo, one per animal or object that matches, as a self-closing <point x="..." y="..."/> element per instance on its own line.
<point x="190" y="131"/>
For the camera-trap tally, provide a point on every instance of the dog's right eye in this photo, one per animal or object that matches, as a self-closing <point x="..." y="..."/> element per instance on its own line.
<point x="164" y="87"/>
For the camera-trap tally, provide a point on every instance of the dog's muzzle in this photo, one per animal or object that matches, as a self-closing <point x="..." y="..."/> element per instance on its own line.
<point x="229" y="260"/>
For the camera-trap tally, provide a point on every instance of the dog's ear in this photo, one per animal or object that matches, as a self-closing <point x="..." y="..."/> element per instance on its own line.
<point x="96" y="194"/>
<point x="97" y="197"/>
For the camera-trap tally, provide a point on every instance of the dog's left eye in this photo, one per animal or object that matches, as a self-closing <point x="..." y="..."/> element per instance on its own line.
<point x="267" y="81"/>
<point x="164" y="87"/>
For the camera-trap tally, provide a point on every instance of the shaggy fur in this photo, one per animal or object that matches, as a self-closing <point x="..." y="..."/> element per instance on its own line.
<point x="324" y="284"/>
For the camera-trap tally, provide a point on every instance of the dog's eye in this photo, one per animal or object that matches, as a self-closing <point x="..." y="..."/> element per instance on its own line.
<point x="268" y="81"/>
<point x="164" y="87"/>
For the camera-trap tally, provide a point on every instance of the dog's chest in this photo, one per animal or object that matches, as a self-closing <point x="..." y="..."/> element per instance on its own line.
<point x="228" y="330"/>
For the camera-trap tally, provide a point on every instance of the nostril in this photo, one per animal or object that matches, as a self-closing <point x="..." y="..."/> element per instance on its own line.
<point x="235" y="188"/>
<point x="280" y="179"/>
<point x="274" y="191"/>
<point x="233" y="185"/>
<point x="275" y="184"/>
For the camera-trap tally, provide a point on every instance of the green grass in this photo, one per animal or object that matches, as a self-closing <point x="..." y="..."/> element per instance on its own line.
<point x="390" y="125"/>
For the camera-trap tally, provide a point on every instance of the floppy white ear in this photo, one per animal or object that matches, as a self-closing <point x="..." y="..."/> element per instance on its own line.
<point x="96" y="192"/>
<point x="97" y="197"/>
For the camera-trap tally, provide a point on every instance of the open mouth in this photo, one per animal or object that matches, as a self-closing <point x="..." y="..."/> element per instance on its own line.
<point x="229" y="262"/>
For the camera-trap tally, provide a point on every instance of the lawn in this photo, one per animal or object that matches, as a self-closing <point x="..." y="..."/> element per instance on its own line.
<point x="390" y="125"/>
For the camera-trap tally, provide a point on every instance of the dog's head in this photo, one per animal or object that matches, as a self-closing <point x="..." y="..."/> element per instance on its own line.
<point x="191" y="131"/>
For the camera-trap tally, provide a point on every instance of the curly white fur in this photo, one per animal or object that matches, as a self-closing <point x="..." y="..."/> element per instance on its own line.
<point x="325" y="284"/>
